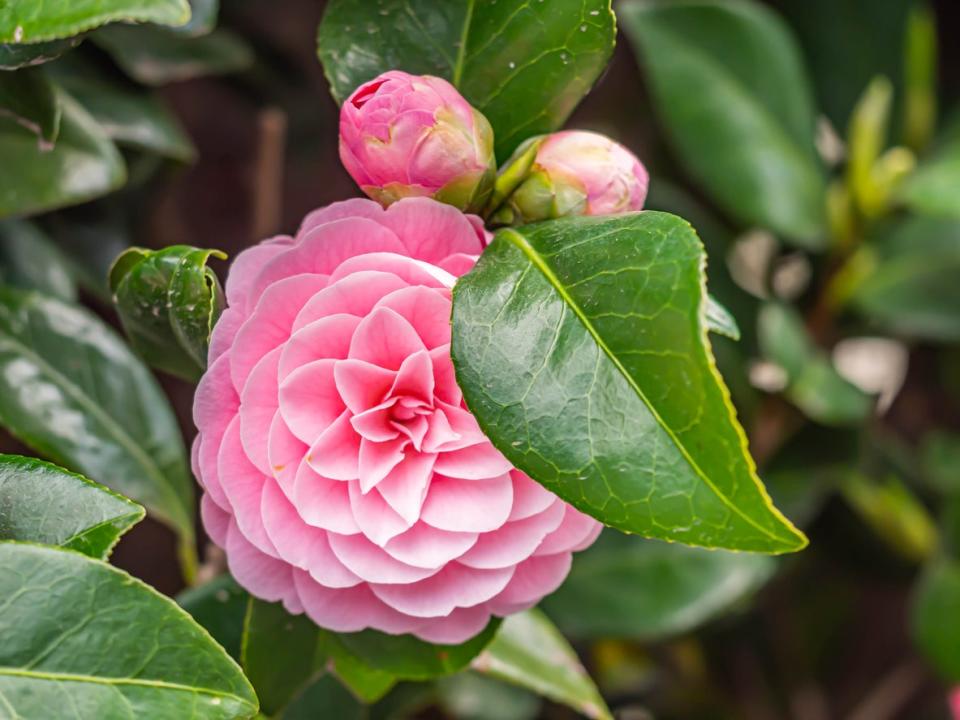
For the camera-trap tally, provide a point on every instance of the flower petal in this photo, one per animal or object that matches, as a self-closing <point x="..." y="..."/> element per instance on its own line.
<point x="385" y="339"/>
<point x="374" y="516"/>
<point x="475" y="462"/>
<point x="348" y="609"/>
<point x="529" y="496"/>
<point x="285" y="452"/>
<point x="258" y="405"/>
<point x="426" y="309"/>
<point x="372" y="563"/>
<point x="515" y="541"/>
<point x="378" y="459"/>
<point x="309" y="401"/>
<point x="406" y="485"/>
<point x="424" y="546"/>
<point x="468" y="505"/>
<point x="534" y="579"/>
<point x="354" y="294"/>
<point x="327" y="337"/>
<point x="430" y="230"/>
<point x="457" y="627"/>
<point x="361" y="384"/>
<point x="322" y="502"/>
<point x="575" y="530"/>
<point x="265" y="577"/>
<point x="454" y="586"/>
<point x="335" y="454"/>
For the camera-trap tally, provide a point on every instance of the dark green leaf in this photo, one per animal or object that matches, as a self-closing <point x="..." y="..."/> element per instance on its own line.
<point x="471" y="696"/>
<point x="530" y="652"/>
<point x="936" y="608"/>
<point x="627" y="587"/>
<point x="934" y="187"/>
<point x="80" y="634"/>
<point x="525" y="65"/>
<point x="28" y="98"/>
<point x="219" y="606"/>
<point x="581" y="348"/>
<point x="279" y="653"/>
<point x="131" y="117"/>
<point x="813" y="384"/>
<point x="913" y="289"/>
<point x="14" y="57"/>
<point x="405" y="656"/>
<point x="154" y="56"/>
<point x="43" y="503"/>
<point x="83" y="165"/>
<point x="30" y="21"/>
<point x="29" y="260"/>
<point x="168" y="301"/>
<point x="941" y="461"/>
<point x="326" y="698"/>
<point x="730" y="88"/>
<point x="367" y="683"/>
<point x="72" y="390"/>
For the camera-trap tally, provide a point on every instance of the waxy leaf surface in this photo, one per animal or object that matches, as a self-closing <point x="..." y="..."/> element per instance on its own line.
<point x="28" y="21"/>
<point x="581" y="347"/>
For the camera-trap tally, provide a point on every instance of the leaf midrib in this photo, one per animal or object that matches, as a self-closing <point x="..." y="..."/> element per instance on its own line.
<point x="108" y="423"/>
<point x="537" y="261"/>
<point x="457" y="72"/>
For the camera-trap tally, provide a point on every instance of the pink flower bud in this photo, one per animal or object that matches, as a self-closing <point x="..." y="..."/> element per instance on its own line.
<point x="407" y="135"/>
<point x="574" y="172"/>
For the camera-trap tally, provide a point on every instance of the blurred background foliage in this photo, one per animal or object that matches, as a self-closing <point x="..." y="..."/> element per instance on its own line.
<point x="814" y="144"/>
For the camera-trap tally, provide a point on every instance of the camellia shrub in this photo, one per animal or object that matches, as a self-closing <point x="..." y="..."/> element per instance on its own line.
<point x="482" y="435"/>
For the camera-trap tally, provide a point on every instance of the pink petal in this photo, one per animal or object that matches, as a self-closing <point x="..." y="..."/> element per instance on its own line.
<point x="322" y="502"/>
<point x="412" y="272"/>
<point x="444" y="377"/>
<point x="427" y="547"/>
<point x="529" y="496"/>
<point x="457" y="627"/>
<point x="464" y="424"/>
<point x="375" y="518"/>
<point x="426" y="309"/>
<point x="362" y="385"/>
<point x="430" y="230"/>
<point x="385" y="339"/>
<point x="459" y="264"/>
<point x="261" y="575"/>
<point x="300" y="544"/>
<point x="377" y="459"/>
<point x="225" y="330"/>
<point x="336" y="452"/>
<point x="406" y="486"/>
<point x="284" y="452"/>
<point x="475" y="462"/>
<point x="515" y="541"/>
<point x="414" y="378"/>
<point x="215" y="405"/>
<point x="354" y="207"/>
<point x="575" y="530"/>
<point x="439" y="433"/>
<point x="215" y="519"/>
<point x="243" y="485"/>
<point x="534" y="579"/>
<point x="327" y="337"/>
<point x="354" y="294"/>
<point x="309" y="401"/>
<point x="348" y="609"/>
<point x="468" y="505"/>
<point x="376" y="425"/>
<point x="454" y="586"/>
<point x="245" y="267"/>
<point x="258" y="405"/>
<point x="372" y="563"/>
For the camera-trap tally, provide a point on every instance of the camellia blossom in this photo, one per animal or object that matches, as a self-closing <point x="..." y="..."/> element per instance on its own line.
<point x="343" y="474"/>
<point x="406" y="135"/>
<point x="574" y="172"/>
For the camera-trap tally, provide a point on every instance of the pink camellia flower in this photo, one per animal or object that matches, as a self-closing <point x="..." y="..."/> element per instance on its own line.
<point x="574" y="172"/>
<point x="343" y="474"/>
<point x="405" y="135"/>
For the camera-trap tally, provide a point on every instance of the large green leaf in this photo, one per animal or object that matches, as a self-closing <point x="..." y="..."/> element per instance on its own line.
<point x="472" y="696"/>
<point x="155" y="56"/>
<point x="83" y="165"/>
<point x="32" y="21"/>
<point x="43" y="503"/>
<point x="72" y="390"/>
<point x="326" y="698"/>
<point x="935" y="186"/>
<point x="523" y="64"/>
<point x="530" y="652"/>
<point x="676" y="588"/>
<point x="30" y="260"/>
<point x="14" y="57"/>
<point x="731" y="91"/>
<point x="913" y="289"/>
<point x="220" y="606"/>
<point x="936" y="607"/>
<point x="168" y="301"/>
<point x="28" y="98"/>
<point x="82" y="639"/>
<point x="581" y="347"/>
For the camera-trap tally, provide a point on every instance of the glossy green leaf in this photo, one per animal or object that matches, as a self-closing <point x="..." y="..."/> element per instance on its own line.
<point x="581" y="348"/>
<point x="130" y="117"/>
<point x="28" y="98"/>
<point x="913" y="289"/>
<point x="627" y="587"/>
<point x="720" y="321"/>
<point x="82" y="639"/>
<point x="168" y="301"/>
<point x="325" y="698"/>
<point x="14" y="57"/>
<point x="367" y="683"/>
<point x="530" y="652"/>
<point x="72" y="390"/>
<point x="31" y="21"/>
<point x="407" y="657"/>
<point x="936" y="607"/>
<point x="731" y="91"/>
<point x="934" y="187"/>
<point x="523" y="64"/>
<point x="43" y="503"/>
<point x="220" y="606"/>
<point x="31" y="261"/>
<point x="813" y="384"/>
<point x="83" y="165"/>
<point x="472" y="696"/>
<point x="154" y="56"/>
<point x="279" y="653"/>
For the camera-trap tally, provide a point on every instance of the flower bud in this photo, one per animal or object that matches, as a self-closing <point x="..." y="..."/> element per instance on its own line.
<point x="574" y="172"/>
<point x="407" y="135"/>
